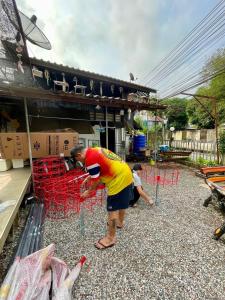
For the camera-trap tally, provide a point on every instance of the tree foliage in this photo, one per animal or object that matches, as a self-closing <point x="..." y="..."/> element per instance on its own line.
<point x="216" y="88"/>
<point x="141" y="124"/>
<point x="198" y="115"/>
<point x="176" y="113"/>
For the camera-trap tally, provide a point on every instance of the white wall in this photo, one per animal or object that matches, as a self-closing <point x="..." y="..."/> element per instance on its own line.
<point x="89" y="138"/>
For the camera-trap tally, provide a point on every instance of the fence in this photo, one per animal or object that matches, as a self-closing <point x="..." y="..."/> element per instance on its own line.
<point x="206" y="150"/>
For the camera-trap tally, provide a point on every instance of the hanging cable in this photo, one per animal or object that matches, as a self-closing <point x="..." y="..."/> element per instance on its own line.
<point x="188" y="38"/>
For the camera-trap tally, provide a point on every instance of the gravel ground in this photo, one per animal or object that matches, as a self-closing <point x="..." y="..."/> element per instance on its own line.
<point x="164" y="252"/>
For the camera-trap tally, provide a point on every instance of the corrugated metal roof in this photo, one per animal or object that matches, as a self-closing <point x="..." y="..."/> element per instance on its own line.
<point x="92" y="75"/>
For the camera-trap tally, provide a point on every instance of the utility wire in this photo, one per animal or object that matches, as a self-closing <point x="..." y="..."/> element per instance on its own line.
<point x="194" y="84"/>
<point x="203" y="42"/>
<point x="182" y="44"/>
<point x="184" y="72"/>
<point x="203" y="37"/>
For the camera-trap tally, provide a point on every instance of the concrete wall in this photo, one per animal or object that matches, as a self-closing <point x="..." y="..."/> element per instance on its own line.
<point x="204" y="135"/>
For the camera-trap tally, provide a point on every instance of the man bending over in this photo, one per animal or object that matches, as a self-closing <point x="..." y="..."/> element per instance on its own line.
<point x="106" y="167"/>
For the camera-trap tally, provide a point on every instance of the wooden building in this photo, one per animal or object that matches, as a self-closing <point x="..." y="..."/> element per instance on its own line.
<point x="65" y="97"/>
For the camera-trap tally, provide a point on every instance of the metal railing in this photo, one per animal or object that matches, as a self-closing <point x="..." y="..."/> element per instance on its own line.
<point x="206" y="150"/>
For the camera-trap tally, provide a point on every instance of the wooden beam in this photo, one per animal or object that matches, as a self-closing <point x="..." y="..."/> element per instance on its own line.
<point x="40" y="94"/>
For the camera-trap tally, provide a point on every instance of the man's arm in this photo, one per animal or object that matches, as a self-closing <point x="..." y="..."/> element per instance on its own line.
<point x="144" y="195"/>
<point x="86" y="180"/>
<point x="92" y="187"/>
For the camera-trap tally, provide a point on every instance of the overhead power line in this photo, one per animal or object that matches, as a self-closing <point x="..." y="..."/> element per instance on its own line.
<point x="183" y="65"/>
<point x="185" y="88"/>
<point x="181" y="44"/>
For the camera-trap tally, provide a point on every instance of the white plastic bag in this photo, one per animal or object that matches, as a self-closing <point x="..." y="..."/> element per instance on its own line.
<point x="65" y="290"/>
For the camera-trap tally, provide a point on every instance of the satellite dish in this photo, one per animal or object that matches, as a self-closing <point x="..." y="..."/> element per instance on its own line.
<point x="131" y="77"/>
<point x="31" y="31"/>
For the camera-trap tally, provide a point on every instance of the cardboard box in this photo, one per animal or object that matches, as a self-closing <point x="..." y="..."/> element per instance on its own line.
<point x="56" y="143"/>
<point x="15" y="145"/>
<point x="5" y="164"/>
<point x="17" y="163"/>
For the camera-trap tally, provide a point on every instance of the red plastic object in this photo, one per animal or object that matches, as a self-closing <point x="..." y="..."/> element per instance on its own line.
<point x="61" y="189"/>
<point x="82" y="260"/>
<point x="162" y="176"/>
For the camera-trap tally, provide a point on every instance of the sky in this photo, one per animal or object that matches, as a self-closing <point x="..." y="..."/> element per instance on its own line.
<point x="113" y="37"/>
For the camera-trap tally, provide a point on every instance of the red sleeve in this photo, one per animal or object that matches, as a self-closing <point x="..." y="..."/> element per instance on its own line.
<point x="92" y="164"/>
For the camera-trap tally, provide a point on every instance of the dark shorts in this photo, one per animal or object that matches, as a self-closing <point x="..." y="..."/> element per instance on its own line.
<point x="136" y="197"/>
<point x="120" y="200"/>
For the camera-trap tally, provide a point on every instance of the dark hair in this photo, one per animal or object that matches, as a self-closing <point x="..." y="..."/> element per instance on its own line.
<point x="77" y="149"/>
<point x="137" y="167"/>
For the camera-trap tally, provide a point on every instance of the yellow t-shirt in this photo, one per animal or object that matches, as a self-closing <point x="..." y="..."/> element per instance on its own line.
<point x="106" y="165"/>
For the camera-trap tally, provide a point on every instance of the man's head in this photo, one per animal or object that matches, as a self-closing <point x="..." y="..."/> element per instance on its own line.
<point x="78" y="153"/>
<point x="137" y="168"/>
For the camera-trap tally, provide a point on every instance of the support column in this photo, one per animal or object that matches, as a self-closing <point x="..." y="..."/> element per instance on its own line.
<point x="106" y="128"/>
<point x="28" y="132"/>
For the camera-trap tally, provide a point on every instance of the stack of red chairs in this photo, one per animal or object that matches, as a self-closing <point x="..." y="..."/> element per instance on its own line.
<point x="61" y="189"/>
<point x="46" y="169"/>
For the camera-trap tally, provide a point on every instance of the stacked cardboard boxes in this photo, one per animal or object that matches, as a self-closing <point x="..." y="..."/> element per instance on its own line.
<point x="15" y="145"/>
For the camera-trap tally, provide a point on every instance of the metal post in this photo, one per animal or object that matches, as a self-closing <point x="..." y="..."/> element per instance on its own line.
<point x="216" y="128"/>
<point x="156" y="135"/>
<point x="210" y="151"/>
<point x="106" y="127"/>
<point x="28" y="132"/>
<point x="214" y="151"/>
<point x="157" y="193"/>
<point x="194" y="148"/>
<point x="82" y="225"/>
<point x="147" y="131"/>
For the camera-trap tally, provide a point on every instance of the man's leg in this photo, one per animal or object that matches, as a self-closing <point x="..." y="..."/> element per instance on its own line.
<point x="112" y="222"/>
<point x="120" y="221"/>
<point x="110" y="237"/>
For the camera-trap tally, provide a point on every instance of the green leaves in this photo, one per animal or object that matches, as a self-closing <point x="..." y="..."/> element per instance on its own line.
<point x="222" y="142"/>
<point x="176" y="113"/>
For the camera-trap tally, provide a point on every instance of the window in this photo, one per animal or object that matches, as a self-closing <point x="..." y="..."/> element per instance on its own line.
<point x="93" y="143"/>
<point x="82" y="142"/>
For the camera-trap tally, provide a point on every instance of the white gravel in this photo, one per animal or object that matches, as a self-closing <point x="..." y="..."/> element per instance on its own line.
<point x="163" y="252"/>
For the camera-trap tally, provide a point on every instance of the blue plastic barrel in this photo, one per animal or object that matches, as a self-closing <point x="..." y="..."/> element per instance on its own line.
<point x="139" y="142"/>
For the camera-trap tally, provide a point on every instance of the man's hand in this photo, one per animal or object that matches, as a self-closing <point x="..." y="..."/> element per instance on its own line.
<point x="85" y="181"/>
<point x="149" y="201"/>
<point x="85" y="194"/>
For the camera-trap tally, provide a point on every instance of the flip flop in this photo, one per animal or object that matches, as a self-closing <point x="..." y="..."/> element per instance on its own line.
<point x="103" y="246"/>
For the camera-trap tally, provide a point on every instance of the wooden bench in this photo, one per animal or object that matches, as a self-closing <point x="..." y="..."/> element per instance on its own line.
<point x="212" y="171"/>
<point x="175" y="154"/>
<point x="13" y="186"/>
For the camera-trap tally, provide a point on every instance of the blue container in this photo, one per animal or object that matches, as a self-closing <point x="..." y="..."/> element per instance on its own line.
<point x="139" y="142"/>
<point x="164" y="148"/>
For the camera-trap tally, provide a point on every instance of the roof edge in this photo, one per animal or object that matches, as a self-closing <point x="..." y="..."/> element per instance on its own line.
<point x="93" y="75"/>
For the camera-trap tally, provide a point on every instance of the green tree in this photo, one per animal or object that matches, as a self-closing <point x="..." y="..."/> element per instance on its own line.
<point x="176" y="113"/>
<point x="216" y="87"/>
<point x="197" y="115"/>
<point x="141" y="124"/>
